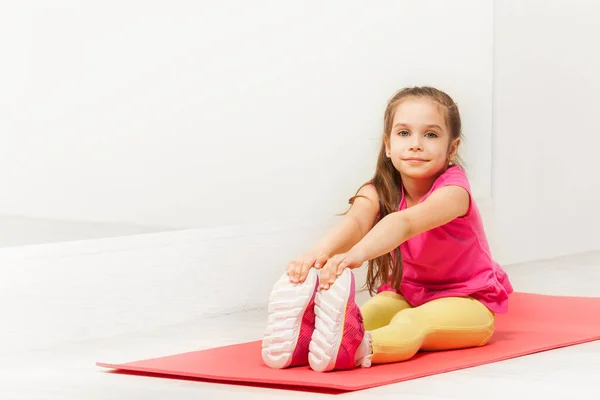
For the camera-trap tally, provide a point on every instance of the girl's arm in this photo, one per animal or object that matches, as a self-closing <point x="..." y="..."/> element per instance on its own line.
<point x="444" y="205"/>
<point x="340" y="238"/>
<point x="354" y="225"/>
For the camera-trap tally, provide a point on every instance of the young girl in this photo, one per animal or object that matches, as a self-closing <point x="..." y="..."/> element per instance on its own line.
<point x="419" y="229"/>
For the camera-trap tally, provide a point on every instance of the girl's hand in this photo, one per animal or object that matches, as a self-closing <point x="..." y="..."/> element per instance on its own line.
<point x="336" y="265"/>
<point x="298" y="269"/>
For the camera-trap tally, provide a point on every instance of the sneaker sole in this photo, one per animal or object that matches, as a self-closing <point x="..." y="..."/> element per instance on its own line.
<point x="330" y="312"/>
<point x="287" y="305"/>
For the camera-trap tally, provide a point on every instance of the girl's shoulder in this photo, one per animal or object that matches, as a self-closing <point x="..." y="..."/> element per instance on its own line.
<point x="453" y="176"/>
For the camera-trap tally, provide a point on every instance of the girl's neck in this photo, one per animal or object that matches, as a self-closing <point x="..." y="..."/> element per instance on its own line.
<point x="415" y="189"/>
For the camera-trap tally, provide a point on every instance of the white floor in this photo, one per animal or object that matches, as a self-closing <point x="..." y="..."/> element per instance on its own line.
<point x="68" y="372"/>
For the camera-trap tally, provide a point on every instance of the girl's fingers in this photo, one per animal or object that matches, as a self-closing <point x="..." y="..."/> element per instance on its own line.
<point x="324" y="277"/>
<point x="321" y="261"/>
<point x="332" y="275"/>
<point x="341" y="268"/>
<point x="328" y="275"/>
<point x="293" y="271"/>
<point x="304" y="271"/>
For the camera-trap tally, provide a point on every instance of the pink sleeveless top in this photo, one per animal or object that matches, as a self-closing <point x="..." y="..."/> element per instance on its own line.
<point x="453" y="259"/>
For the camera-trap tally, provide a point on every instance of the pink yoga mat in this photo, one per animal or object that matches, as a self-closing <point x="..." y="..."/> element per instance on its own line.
<point x="534" y="323"/>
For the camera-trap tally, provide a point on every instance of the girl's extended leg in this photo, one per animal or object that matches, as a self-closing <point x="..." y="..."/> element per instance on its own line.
<point x="379" y="310"/>
<point x="442" y="324"/>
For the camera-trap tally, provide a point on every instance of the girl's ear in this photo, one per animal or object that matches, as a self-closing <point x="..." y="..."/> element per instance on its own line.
<point x="386" y="142"/>
<point x="453" y="150"/>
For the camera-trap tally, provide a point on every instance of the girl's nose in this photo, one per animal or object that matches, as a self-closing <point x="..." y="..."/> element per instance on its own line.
<point x="416" y="143"/>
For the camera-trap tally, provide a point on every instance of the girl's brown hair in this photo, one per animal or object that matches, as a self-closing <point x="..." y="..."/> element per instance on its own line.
<point x="387" y="181"/>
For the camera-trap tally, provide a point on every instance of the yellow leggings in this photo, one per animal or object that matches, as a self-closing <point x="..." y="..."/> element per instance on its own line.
<point x="399" y="330"/>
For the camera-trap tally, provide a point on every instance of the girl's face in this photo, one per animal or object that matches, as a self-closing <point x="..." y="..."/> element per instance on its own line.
<point x="420" y="145"/>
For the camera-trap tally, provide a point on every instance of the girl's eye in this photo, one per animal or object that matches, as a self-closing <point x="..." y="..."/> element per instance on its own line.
<point x="403" y="133"/>
<point x="431" y="135"/>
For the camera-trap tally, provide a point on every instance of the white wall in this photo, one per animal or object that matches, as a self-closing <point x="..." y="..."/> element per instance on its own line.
<point x="139" y="113"/>
<point x="251" y="124"/>
<point x="157" y="114"/>
<point x="211" y="113"/>
<point x="546" y="189"/>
